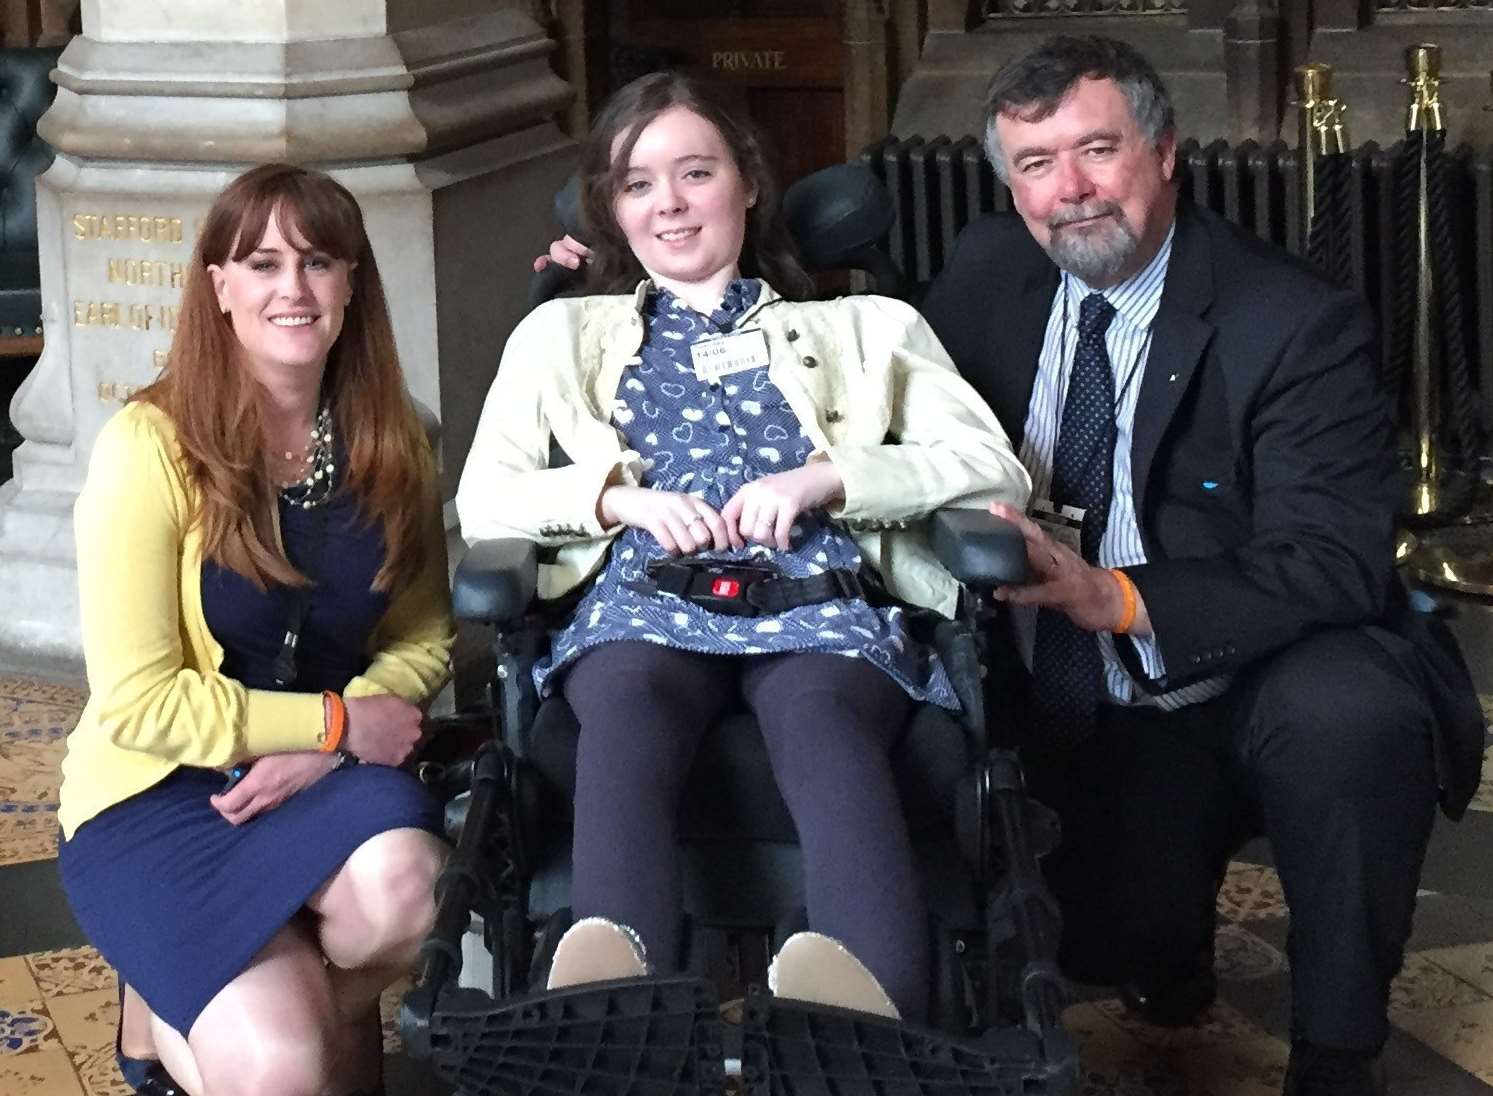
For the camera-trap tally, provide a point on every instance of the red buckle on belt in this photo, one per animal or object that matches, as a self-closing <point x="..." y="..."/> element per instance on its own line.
<point x="725" y="587"/>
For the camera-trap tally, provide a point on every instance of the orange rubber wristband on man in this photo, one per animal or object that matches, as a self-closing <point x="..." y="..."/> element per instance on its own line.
<point x="336" y="722"/>
<point x="1127" y="590"/>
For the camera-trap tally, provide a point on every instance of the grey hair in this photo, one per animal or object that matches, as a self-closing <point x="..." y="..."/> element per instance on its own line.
<point x="1034" y="85"/>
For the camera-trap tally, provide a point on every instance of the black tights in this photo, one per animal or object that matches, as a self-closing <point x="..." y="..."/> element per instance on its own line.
<point x="828" y="722"/>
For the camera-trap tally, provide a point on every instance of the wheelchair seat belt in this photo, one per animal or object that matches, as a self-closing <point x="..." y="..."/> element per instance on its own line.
<point x="749" y="589"/>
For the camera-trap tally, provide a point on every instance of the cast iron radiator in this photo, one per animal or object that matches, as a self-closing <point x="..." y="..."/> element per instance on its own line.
<point x="939" y="185"/>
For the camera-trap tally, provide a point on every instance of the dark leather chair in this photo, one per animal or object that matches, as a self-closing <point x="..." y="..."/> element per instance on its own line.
<point x="26" y="91"/>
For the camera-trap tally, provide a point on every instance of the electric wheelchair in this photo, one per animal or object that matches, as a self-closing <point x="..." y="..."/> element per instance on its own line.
<point x="994" y="1014"/>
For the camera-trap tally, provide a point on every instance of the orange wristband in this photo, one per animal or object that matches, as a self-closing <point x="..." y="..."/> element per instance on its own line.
<point x="1127" y="590"/>
<point x="336" y="722"/>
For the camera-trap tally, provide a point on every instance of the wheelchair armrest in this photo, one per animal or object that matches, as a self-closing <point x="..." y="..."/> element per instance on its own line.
<point x="979" y="549"/>
<point x="495" y="581"/>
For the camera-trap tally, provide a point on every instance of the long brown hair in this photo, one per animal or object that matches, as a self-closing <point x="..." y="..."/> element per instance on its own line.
<point x="214" y="402"/>
<point x="767" y="249"/>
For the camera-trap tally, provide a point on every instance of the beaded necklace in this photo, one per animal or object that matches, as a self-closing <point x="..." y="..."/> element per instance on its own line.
<point x="320" y="463"/>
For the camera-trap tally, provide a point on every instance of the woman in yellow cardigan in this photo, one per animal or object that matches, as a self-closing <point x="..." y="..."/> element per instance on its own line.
<point x="263" y="583"/>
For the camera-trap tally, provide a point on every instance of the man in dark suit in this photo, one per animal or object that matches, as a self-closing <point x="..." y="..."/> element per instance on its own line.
<point x="1212" y="548"/>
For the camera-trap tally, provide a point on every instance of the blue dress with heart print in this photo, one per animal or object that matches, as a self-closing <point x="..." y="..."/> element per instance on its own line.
<point x="707" y="440"/>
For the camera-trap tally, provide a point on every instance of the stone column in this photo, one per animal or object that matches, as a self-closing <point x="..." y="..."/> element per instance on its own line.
<point x="1336" y="15"/>
<point x="945" y="93"/>
<point x="1252" y="67"/>
<point x="581" y="27"/>
<point x="56" y="19"/>
<point x="867" y="82"/>
<point x="948" y="16"/>
<point x="909" y="24"/>
<point x="437" y="114"/>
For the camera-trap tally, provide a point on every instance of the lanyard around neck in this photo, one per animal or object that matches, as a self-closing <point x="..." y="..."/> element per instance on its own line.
<point x="1065" y="361"/>
<point x="287" y="668"/>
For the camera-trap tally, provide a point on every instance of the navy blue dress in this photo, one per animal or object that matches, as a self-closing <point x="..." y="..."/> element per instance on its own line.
<point x="707" y="439"/>
<point x="173" y="896"/>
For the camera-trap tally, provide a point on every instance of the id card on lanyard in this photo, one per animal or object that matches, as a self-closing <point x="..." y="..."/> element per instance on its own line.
<point x="721" y="355"/>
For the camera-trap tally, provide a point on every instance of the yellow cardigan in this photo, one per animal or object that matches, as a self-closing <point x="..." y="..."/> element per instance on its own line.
<point x="156" y="698"/>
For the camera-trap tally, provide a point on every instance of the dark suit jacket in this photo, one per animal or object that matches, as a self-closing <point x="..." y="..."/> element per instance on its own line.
<point x="1265" y="478"/>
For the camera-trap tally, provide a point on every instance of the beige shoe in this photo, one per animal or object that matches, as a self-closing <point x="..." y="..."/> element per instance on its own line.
<point x="815" y="968"/>
<point x="596" y="950"/>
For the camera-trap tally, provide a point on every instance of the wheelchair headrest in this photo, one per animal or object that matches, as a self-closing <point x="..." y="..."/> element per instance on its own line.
<point x="836" y="212"/>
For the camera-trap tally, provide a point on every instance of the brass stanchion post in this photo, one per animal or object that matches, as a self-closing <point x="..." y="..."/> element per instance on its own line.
<point x="1311" y="82"/>
<point x="1457" y="556"/>
<point x="1423" y="116"/>
<point x="1319" y="132"/>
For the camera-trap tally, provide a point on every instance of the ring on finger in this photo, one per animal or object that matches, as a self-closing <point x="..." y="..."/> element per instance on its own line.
<point x="696" y="520"/>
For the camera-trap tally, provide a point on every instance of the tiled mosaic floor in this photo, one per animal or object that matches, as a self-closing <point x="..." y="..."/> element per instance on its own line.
<point x="34" y="719"/>
<point x="58" y="1012"/>
<point x="58" y="1007"/>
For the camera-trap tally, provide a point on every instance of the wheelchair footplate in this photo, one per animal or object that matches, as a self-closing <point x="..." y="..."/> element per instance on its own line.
<point x="796" y="1048"/>
<point x="639" y="1036"/>
<point x="665" y="1037"/>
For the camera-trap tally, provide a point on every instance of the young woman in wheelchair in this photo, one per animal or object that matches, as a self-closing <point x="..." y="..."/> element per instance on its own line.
<point x="740" y="519"/>
<point x="263" y="580"/>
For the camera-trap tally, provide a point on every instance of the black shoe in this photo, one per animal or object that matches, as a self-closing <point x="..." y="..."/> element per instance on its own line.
<point x="1327" y="1071"/>
<point x="1180" y="1000"/>
<point x="157" y="1082"/>
<point x="145" y="1076"/>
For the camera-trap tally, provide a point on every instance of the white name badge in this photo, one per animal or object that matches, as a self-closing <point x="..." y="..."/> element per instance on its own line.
<point x="1063" y="524"/>
<point x="716" y="357"/>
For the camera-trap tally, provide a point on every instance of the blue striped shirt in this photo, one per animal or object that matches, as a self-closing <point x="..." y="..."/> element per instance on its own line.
<point x="1128" y="340"/>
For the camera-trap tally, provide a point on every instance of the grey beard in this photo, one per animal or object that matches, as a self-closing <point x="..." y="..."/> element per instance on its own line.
<point x="1097" y="255"/>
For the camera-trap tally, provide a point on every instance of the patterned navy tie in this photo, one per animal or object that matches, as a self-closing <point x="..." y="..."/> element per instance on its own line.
<point x="1067" y="670"/>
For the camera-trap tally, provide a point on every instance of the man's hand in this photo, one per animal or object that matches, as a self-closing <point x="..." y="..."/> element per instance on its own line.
<point x="271" y="781"/>
<point x="681" y="523"/>
<point x="765" y="509"/>
<point x="1090" y="596"/>
<point x="567" y="251"/>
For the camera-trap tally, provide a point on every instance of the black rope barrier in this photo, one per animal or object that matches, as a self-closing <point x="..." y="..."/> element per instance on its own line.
<point x="1341" y="213"/>
<point x="1402" y="321"/>
<point x="1459" y="431"/>
<point x="1330" y="243"/>
<point x="1462" y="398"/>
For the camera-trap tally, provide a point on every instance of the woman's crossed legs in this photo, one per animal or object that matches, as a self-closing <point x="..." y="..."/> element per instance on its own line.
<point x="301" y="1019"/>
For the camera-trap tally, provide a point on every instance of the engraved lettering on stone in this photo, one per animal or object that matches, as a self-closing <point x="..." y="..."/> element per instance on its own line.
<point x="140" y="317"/>
<point x="147" y="228"/>
<point x="116" y="391"/>
<point x="147" y="272"/>
<point x="96" y="314"/>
